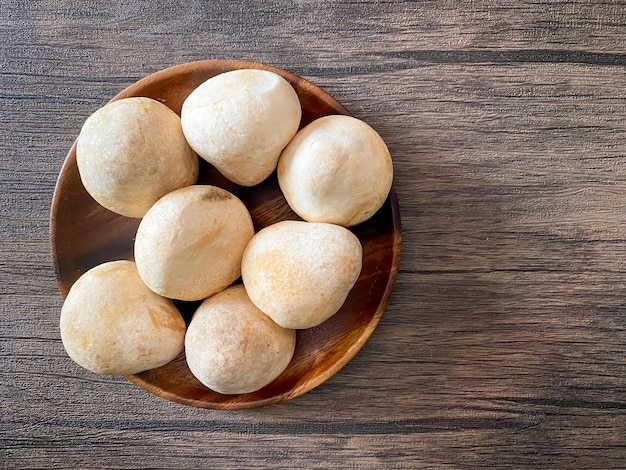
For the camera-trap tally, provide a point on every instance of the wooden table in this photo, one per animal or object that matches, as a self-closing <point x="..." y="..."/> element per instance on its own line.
<point x="504" y="342"/>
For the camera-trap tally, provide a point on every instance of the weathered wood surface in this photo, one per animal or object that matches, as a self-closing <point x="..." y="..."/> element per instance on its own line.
<point x="504" y="344"/>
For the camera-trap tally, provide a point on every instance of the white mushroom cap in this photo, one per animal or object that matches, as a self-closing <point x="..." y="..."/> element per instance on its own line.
<point x="240" y="121"/>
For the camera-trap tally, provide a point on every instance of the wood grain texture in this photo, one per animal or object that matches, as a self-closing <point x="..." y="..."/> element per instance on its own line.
<point x="503" y="345"/>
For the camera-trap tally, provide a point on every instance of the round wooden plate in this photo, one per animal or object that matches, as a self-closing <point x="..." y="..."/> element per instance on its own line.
<point x="83" y="234"/>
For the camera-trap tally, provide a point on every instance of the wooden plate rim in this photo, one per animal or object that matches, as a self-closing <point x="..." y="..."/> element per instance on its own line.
<point x="350" y="353"/>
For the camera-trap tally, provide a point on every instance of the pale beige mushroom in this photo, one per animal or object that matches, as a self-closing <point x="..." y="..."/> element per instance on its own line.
<point x="189" y="244"/>
<point x="240" y="121"/>
<point x="111" y="323"/>
<point x="233" y="347"/>
<point x="131" y="152"/>
<point x="300" y="273"/>
<point x="336" y="170"/>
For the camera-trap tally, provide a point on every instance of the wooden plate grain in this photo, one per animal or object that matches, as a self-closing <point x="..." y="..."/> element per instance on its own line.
<point x="83" y="234"/>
